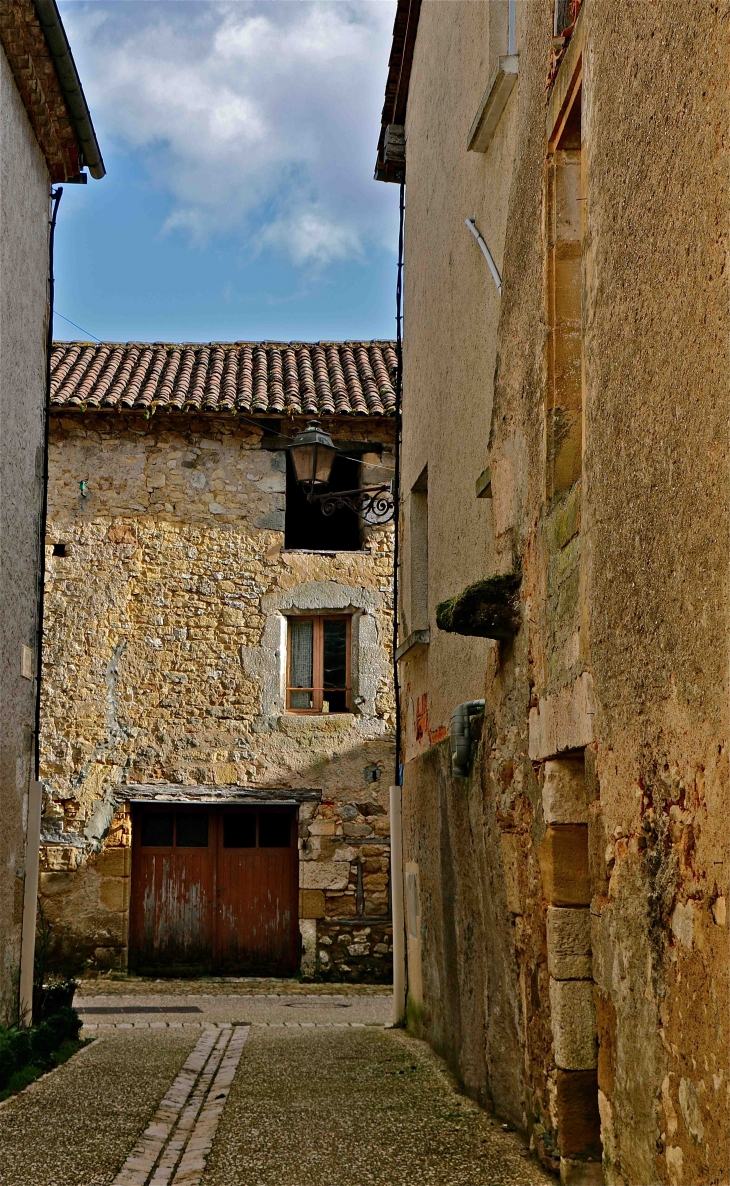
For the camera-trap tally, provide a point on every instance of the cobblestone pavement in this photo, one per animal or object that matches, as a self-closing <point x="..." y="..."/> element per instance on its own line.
<point x="253" y="1089"/>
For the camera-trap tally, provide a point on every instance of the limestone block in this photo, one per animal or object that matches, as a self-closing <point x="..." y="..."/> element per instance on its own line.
<point x="271" y="522"/>
<point x="114" y="862"/>
<point x="342" y="906"/>
<point x="225" y="774"/>
<point x="332" y="875"/>
<point x="56" y="883"/>
<point x="322" y="827"/>
<point x="578" y="1119"/>
<point x="563" y="858"/>
<point x="311" y="904"/>
<point x="308" y="931"/>
<point x="375" y="881"/>
<point x="113" y="893"/>
<point x="58" y="858"/>
<point x="574" y="1024"/>
<point x="683" y="923"/>
<point x="358" y="831"/>
<point x="564" y="720"/>
<point x="569" y="943"/>
<point x="564" y="792"/>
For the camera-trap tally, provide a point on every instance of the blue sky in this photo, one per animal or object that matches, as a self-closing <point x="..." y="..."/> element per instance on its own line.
<point x="239" y="140"/>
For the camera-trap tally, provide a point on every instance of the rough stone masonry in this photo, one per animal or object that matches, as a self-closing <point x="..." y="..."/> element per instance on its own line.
<point x="168" y="591"/>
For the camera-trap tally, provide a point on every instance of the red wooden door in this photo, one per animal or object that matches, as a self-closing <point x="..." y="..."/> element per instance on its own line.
<point x="257" y="920"/>
<point x="173" y="889"/>
<point x="214" y="891"/>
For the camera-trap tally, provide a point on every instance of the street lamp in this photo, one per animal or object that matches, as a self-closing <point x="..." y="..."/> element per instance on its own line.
<point x="313" y="452"/>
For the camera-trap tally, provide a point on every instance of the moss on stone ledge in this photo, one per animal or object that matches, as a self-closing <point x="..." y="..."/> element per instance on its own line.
<point x="487" y="609"/>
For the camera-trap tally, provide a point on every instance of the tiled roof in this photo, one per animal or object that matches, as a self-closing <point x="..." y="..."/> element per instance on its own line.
<point x="269" y="378"/>
<point x="51" y="92"/>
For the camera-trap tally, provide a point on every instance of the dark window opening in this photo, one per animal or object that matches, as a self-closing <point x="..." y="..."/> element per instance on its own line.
<point x="157" y="829"/>
<point x="239" y="830"/>
<point x="59" y="550"/>
<point x="274" y="830"/>
<point x="306" y="526"/>
<point x="192" y="829"/>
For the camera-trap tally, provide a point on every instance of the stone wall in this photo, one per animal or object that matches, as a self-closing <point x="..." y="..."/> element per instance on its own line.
<point x="599" y="789"/>
<point x="23" y="322"/>
<point x="165" y="666"/>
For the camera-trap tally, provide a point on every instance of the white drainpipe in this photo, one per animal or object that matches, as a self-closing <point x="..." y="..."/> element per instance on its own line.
<point x="396" y="894"/>
<point x="30" y="897"/>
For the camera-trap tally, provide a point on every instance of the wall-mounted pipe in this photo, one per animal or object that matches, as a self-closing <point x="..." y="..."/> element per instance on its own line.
<point x="461" y="736"/>
<point x="398" y="908"/>
<point x="472" y="225"/>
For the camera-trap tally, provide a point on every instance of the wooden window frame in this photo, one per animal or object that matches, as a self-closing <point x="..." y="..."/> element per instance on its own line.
<point x="318" y="662"/>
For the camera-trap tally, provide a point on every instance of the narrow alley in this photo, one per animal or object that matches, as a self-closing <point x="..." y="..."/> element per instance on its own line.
<point x="251" y="1084"/>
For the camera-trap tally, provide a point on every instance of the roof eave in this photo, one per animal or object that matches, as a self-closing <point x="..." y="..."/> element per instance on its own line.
<point x="70" y="83"/>
<point x="405" y="28"/>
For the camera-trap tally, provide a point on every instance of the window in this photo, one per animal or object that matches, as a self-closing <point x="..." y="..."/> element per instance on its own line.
<point x="318" y="673"/>
<point x="184" y="829"/>
<point x="418" y="554"/>
<point x="274" y="829"/>
<point x="306" y="527"/>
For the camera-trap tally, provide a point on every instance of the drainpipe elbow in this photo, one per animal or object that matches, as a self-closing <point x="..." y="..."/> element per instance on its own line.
<point x="461" y="736"/>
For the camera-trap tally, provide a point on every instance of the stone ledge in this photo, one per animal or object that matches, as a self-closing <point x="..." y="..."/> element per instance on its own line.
<point x="493" y="104"/>
<point x="414" y="644"/>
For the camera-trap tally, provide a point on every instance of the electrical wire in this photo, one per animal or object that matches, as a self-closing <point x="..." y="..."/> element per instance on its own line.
<point x="73" y="323"/>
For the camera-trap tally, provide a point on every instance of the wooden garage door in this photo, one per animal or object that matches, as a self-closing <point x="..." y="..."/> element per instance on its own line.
<point x="214" y="890"/>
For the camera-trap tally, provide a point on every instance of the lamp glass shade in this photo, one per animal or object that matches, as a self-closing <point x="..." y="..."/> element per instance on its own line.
<point x="312" y="453"/>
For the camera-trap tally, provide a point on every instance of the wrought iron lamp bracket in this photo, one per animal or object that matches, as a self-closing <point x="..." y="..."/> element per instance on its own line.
<point x="373" y="504"/>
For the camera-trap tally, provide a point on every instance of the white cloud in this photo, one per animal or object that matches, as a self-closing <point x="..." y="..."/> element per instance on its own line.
<point x="259" y="118"/>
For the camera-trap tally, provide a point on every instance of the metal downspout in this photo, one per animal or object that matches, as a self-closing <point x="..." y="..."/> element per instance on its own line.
<point x="396" y="831"/>
<point x="33" y="824"/>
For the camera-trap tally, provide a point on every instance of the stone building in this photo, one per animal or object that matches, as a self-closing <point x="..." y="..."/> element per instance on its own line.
<point x="218" y="704"/>
<point x="565" y="573"/>
<point x="46" y="137"/>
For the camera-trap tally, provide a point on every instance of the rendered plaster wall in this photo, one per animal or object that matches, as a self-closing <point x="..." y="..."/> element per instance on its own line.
<point x="622" y="657"/>
<point x="165" y="664"/>
<point x="23" y="323"/>
<point x="451" y="306"/>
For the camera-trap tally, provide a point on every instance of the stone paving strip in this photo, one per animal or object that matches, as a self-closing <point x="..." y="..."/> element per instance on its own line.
<point x="222" y="985"/>
<point x="173" y="1148"/>
<point x="195" y="1010"/>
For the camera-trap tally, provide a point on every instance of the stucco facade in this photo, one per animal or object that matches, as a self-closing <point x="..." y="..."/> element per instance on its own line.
<point x="566" y="902"/>
<point x="165" y="675"/>
<point x="23" y="327"/>
<point x="38" y="145"/>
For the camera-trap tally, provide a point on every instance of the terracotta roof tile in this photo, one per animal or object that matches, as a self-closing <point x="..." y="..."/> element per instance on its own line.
<point x="264" y="378"/>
